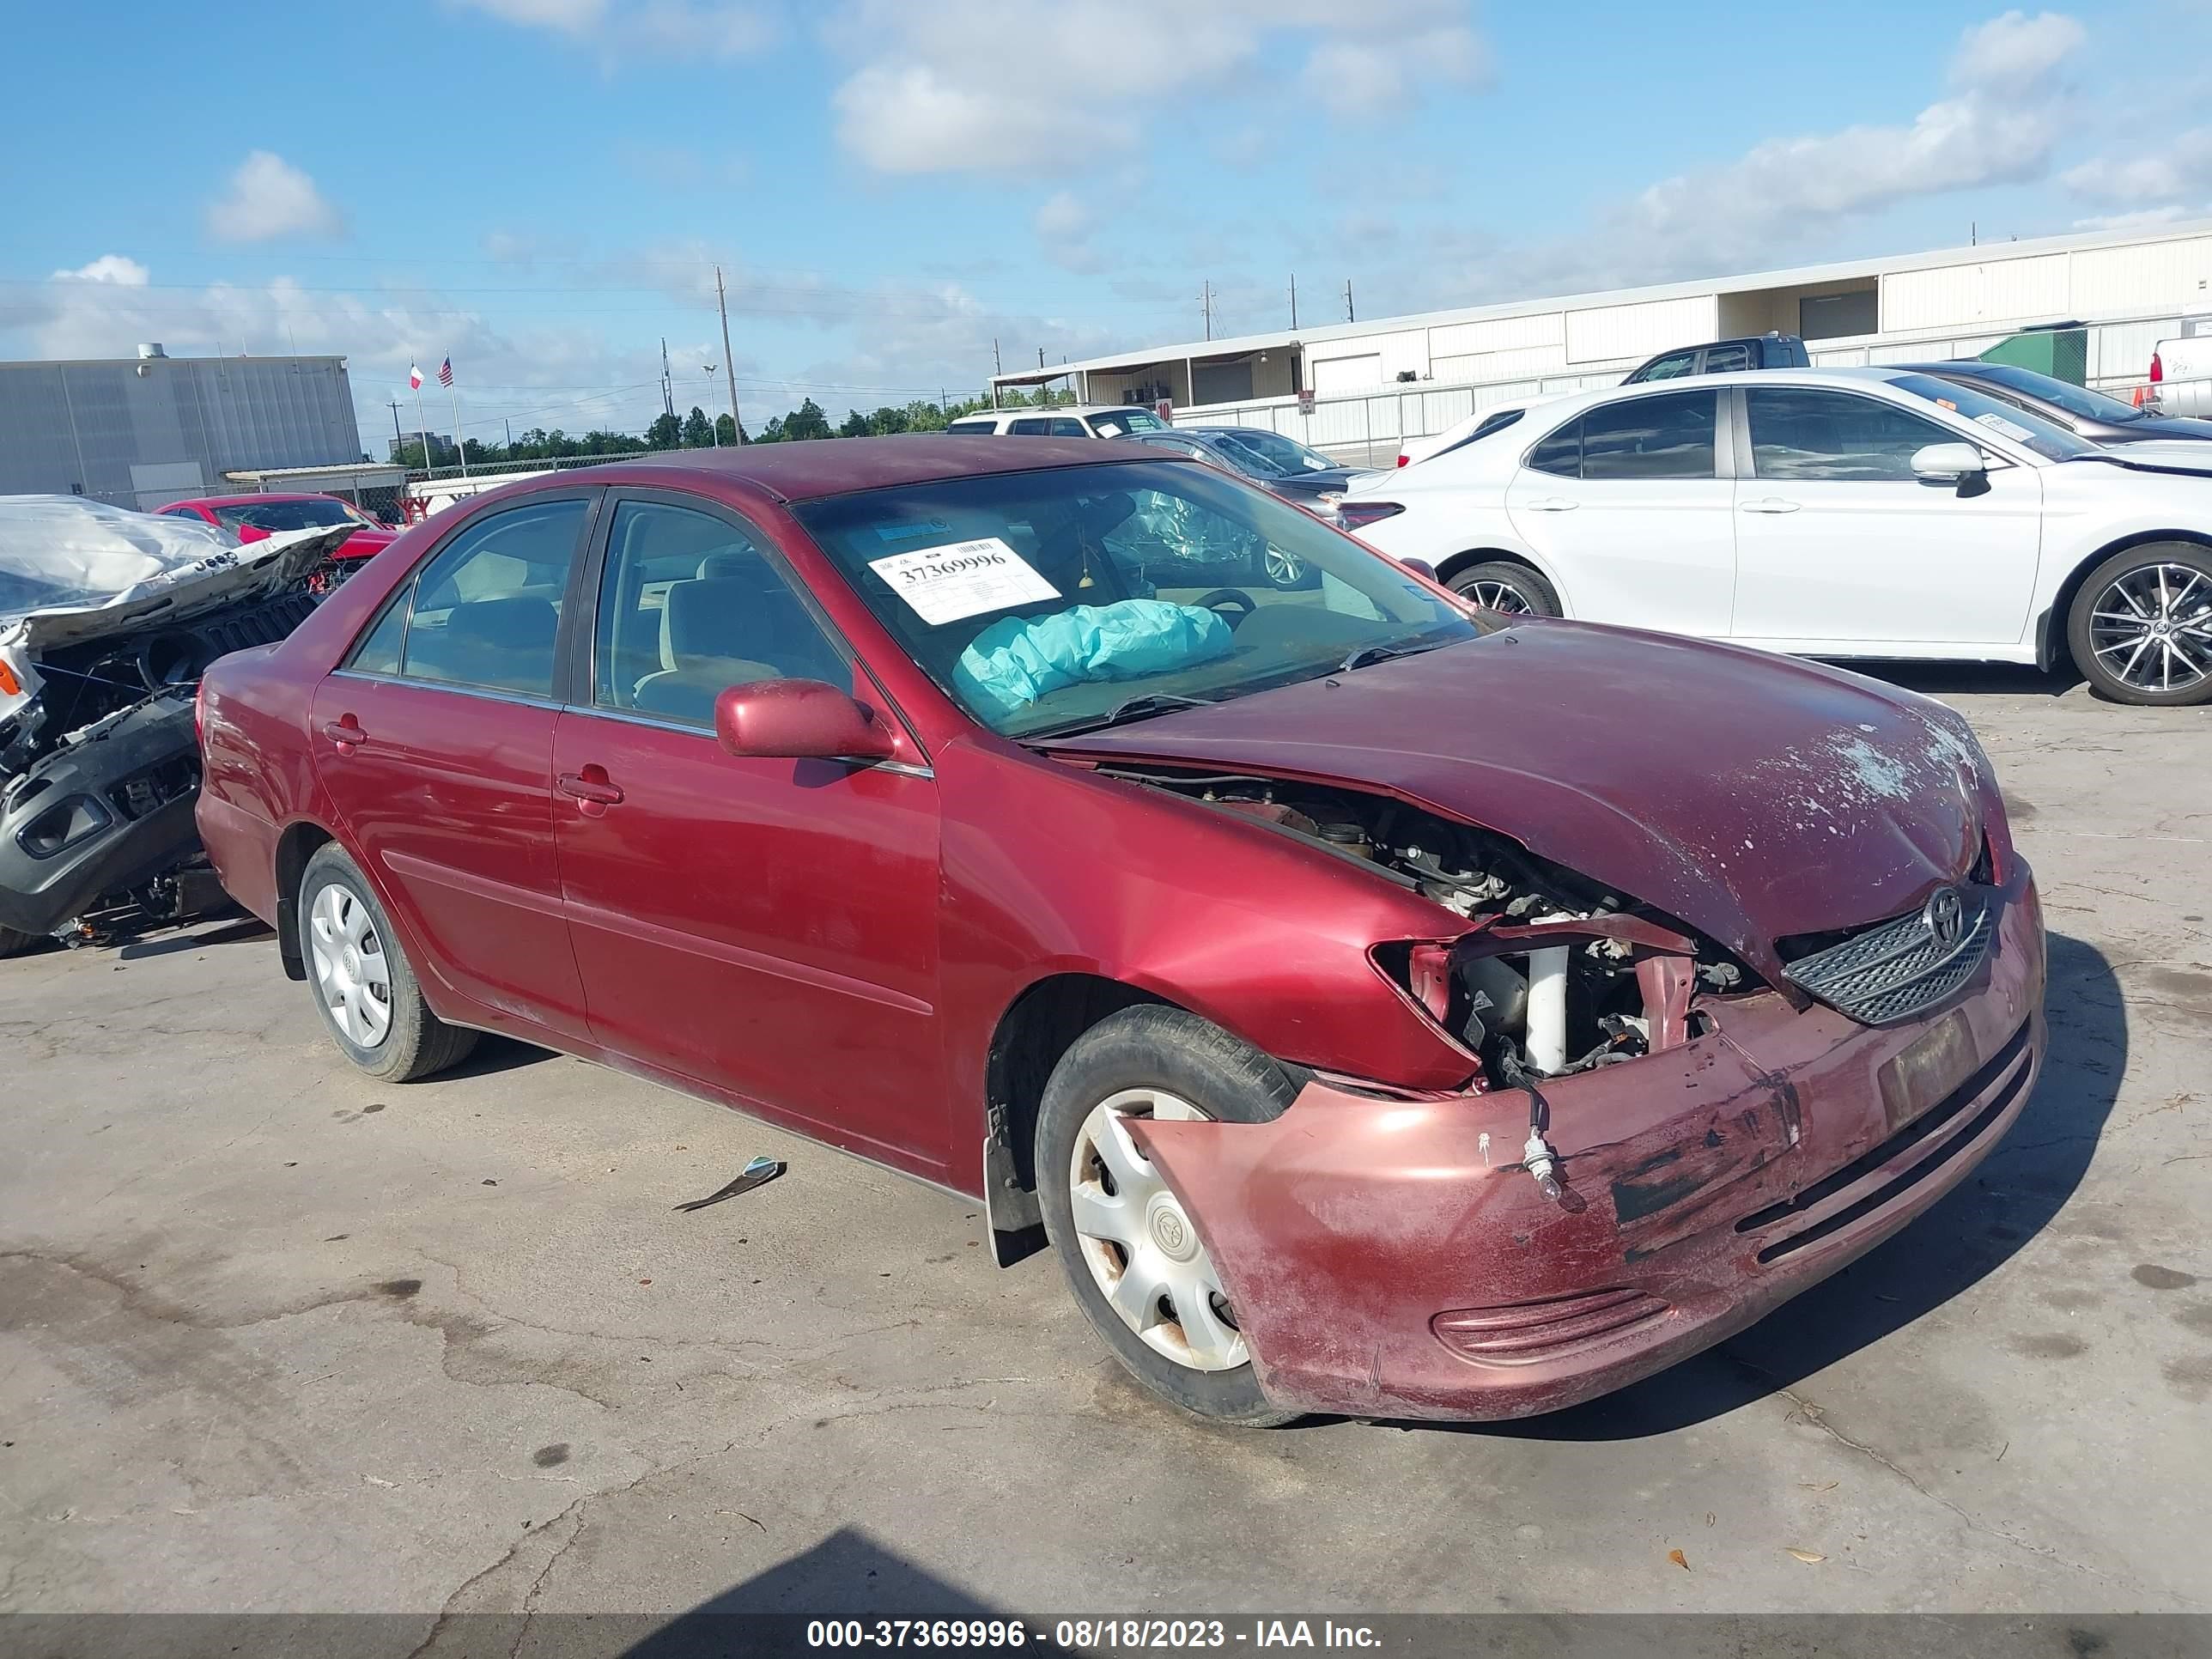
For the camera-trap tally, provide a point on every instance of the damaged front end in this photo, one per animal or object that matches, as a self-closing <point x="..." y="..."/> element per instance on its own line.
<point x="1553" y="974"/>
<point x="1655" y="1145"/>
<point x="107" y="620"/>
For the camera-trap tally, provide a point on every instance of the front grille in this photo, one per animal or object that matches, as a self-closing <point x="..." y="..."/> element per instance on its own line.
<point x="1896" y="969"/>
<point x="2012" y="1058"/>
<point x="264" y="624"/>
<point x="1530" y="1331"/>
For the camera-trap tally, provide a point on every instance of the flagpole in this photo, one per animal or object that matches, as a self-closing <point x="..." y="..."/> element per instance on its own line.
<point x="461" y="448"/>
<point x="424" y="427"/>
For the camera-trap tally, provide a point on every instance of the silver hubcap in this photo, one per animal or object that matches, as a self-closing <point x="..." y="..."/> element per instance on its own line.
<point x="2151" y="628"/>
<point x="1493" y="595"/>
<point x="1139" y="1244"/>
<point x="351" y="975"/>
<point x="1284" y="568"/>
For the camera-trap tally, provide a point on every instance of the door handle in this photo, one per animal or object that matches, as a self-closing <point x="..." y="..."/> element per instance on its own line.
<point x="1771" y="504"/>
<point x="591" y="786"/>
<point x="346" y="733"/>
<point x="1552" y="504"/>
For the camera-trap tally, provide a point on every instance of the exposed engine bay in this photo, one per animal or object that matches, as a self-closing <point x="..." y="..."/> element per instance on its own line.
<point x="107" y="620"/>
<point x="1555" y="975"/>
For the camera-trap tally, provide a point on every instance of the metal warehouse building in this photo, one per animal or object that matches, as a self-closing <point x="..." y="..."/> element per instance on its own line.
<point x="1373" y="383"/>
<point x="141" y="431"/>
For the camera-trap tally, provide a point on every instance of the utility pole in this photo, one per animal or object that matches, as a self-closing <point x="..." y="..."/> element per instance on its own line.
<point x="1294" y="302"/>
<point x="398" y="438"/>
<point x="997" y="369"/>
<point x="1348" y="317"/>
<point x="714" y="430"/>
<point x="668" y="387"/>
<point x="1206" y="305"/>
<point x="509" y="426"/>
<point x="729" y="363"/>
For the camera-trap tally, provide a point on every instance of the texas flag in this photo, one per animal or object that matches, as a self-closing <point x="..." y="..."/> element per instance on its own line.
<point x="414" y="378"/>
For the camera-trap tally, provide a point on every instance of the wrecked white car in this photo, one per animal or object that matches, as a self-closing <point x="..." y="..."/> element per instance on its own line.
<point x="108" y="619"/>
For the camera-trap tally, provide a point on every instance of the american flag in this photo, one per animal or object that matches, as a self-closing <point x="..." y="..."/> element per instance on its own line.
<point x="446" y="373"/>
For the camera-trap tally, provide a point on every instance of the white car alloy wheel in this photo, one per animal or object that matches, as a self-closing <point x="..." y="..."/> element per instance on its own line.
<point x="2152" y="626"/>
<point x="1139" y="1245"/>
<point x="1499" y="596"/>
<point x="352" y="976"/>
<point x="1284" y="569"/>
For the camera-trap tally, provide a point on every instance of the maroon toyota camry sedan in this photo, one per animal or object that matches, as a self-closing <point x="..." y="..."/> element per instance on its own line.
<point x="1384" y="1007"/>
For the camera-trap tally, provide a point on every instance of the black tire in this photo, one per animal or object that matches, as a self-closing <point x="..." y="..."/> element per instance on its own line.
<point x="1139" y="1048"/>
<point x="2097" y="646"/>
<point x="1538" y="597"/>
<point x="416" y="1044"/>
<point x="16" y="943"/>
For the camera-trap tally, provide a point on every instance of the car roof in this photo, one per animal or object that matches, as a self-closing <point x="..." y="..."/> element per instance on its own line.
<point x="818" y="467"/>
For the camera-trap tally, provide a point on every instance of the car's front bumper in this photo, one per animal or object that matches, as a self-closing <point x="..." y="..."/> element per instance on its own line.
<point x="1392" y="1256"/>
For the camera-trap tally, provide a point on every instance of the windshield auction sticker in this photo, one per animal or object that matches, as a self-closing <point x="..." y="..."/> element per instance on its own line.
<point x="963" y="579"/>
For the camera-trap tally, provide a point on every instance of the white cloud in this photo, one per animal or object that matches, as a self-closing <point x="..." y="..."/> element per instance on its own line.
<point x="108" y="268"/>
<point x="714" y="29"/>
<point x="269" y="197"/>
<point x="2144" y="218"/>
<point x="1013" y="86"/>
<point x="2175" y="167"/>
<point x="1064" y="227"/>
<point x="2007" y="111"/>
<point x="1358" y="79"/>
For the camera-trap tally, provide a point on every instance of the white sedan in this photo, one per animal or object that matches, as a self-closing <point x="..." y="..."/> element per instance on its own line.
<point x="1830" y="512"/>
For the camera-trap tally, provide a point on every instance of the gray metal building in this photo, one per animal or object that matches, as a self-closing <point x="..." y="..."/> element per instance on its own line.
<point x="140" y="431"/>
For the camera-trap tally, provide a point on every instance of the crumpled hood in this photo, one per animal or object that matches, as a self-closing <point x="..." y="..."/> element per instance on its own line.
<point x="1751" y="796"/>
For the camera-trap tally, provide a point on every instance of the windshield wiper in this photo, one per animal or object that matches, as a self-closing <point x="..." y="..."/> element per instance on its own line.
<point x="1368" y="653"/>
<point x="1134" y="709"/>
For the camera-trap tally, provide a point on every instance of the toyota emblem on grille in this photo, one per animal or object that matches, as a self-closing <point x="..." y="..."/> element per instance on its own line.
<point x="1945" y="916"/>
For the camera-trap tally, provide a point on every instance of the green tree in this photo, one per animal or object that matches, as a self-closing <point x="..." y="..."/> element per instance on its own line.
<point x="807" y="421"/>
<point x="727" y="431"/>
<point x="773" y="432"/>
<point x="698" y="430"/>
<point x="667" y="432"/>
<point x="856" y="425"/>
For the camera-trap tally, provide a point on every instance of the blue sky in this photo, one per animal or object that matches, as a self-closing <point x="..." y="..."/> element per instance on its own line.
<point x="542" y="187"/>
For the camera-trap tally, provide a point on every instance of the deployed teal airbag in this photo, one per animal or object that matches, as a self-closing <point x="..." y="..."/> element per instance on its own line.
<point x="1016" y="662"/>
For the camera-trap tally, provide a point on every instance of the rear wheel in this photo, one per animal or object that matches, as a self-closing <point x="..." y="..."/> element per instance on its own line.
<point x="2141" y="628"/>
<point x="14" y="943"/>
<point x="1510" y="590"/>
<point x="1132" y="1256"/>
<point x="368" y="996"/>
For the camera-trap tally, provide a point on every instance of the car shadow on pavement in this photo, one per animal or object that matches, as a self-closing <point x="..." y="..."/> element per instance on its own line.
<point x="846" y="1576"/>
<point x="237" y="931"/>
<point x="2018" y="1190"/>
<point x="1941" y="679"/>
<point x="494" y="1055"/>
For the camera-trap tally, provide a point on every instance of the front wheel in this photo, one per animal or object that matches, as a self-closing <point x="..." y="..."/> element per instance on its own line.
<point x="14" y="942"/>
<point x="2141" y="628"/>
<point x="364" y="987"/>
<point x="1132" y="1254"/>
<point x="1510" y="590"/>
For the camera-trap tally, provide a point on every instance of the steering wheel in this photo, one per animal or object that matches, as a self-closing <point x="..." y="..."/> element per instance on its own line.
<point x="1235" y="597"/>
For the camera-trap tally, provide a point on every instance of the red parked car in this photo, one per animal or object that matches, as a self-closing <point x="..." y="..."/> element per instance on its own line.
<point x="1386" y="1007"/>
<point x="250" y="518"/>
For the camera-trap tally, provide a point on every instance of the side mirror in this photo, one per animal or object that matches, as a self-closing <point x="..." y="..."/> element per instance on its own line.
<point x="800" y="719"/>
<point x="1957" y="464"/>
<point x="1420" y="567"/>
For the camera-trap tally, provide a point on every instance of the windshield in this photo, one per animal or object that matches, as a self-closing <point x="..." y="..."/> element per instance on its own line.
<point x="2061" y="394"/>
<point x="1121" y="422"/>
<point x="2023" y="426"/>
<point x="1043" y="602"/>
<point x="1283" y="457"/>
<point x="290" y="515"/>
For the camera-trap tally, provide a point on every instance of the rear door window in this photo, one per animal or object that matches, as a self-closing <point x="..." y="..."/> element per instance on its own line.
<point x="1560" y="454"/>
<point x="1673" y="366"/>
<point x="1722" y="359"/>
<point x="968" y="427"/>
<point x="486" y="611"/>
<point x="1031" y="426"/>
<point x="1070" y="428"/>
<point x="1669" y="436"/>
